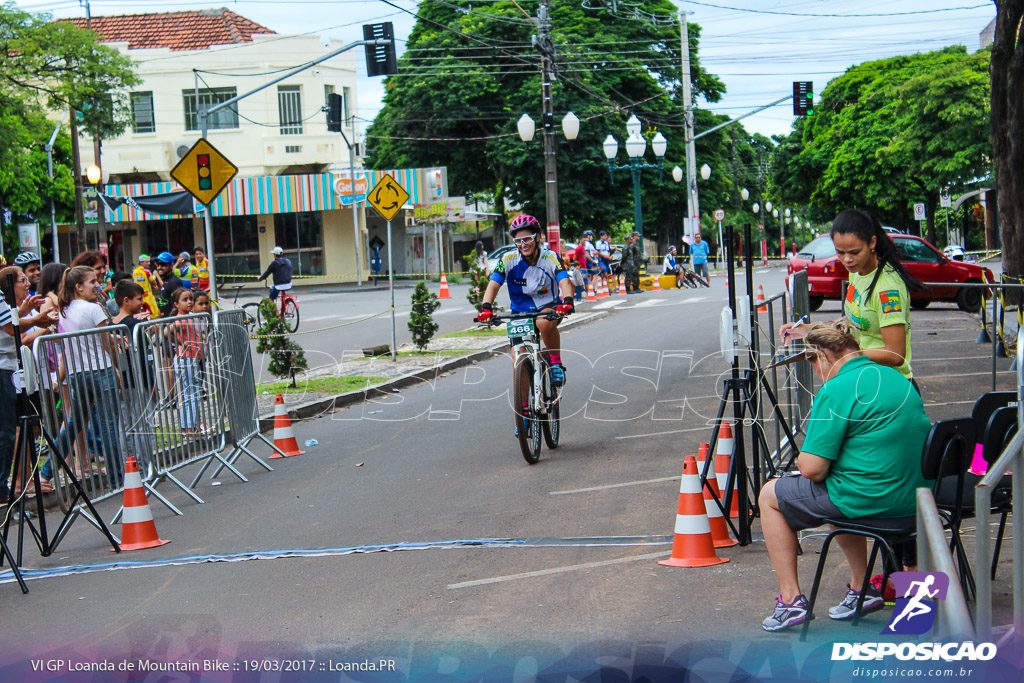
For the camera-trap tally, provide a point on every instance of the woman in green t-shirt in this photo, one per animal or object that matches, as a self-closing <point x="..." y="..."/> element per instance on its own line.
<point x="877" y="300"/>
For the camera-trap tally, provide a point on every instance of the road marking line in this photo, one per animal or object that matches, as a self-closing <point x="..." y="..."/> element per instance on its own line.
<point x="649" y="302"/>
<point x="556" y="570"/>
<point x="615" y="486"/>
<point x="674" y="431"/>
<point x="605" y="304"/>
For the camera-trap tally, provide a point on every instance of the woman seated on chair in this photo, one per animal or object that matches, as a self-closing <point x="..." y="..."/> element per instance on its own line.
<point x="861" y="458"/>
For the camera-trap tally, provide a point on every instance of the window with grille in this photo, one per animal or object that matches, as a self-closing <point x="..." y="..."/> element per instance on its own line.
<point x="289" y="107"/>
<point x="218" y="120"/>
<point x="328" y="91"/>
<point x="142" y="113"/>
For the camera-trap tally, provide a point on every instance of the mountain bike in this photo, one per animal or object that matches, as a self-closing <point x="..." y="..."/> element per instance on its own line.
<point x="535" y="400"/>
<point x="691" y="279"/>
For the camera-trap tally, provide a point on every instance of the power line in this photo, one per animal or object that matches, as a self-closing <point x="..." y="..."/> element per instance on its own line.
<point x="838" y="16"/>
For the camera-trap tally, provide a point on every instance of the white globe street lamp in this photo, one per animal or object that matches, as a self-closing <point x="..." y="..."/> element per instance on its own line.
<point x="744" y="195"/>
<point x="611" y="147"/>
<point x="705" y="171"/>
<point x="570" y="126"/>
<point x="768" y="207"/>
<point x="526" y="128"/>
<point x="660" y="145"/>
<point x="635" y="146"/>
<point x="775" y="213"/>
<point x="787" y="213"/>
<point x="677" y="174"/>
<point x="633" y="126"/>
<point x="756" y="207"/>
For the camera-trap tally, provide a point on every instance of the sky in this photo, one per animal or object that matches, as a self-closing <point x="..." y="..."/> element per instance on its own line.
<point x="757" y="47"/>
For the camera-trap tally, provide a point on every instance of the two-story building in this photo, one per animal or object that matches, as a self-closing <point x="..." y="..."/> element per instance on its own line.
<point x="291" y="167"/>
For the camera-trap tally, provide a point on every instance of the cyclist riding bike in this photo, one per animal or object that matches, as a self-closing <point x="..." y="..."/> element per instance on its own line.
<point x="535" y="277"/>
<point x="281" y="269"/>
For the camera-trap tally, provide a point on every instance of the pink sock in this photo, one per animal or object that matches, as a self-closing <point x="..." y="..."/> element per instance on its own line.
<point x="556" y="358"/>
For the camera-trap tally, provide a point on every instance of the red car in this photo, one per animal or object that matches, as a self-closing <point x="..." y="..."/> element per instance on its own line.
<point x="826" y="273"/>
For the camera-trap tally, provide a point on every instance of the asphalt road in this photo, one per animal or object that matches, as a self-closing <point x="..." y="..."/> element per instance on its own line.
<point x="437" y="464"/>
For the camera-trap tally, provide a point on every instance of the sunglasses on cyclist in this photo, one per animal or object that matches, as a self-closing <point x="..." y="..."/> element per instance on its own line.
<point x="523" y="241"/>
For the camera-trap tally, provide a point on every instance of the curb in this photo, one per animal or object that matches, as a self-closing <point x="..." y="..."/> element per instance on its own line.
<point x="323" y="406"/>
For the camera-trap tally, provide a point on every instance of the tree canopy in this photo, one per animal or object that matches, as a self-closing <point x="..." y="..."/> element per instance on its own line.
<point x="470" y="71"/>
<point x="889" y="133"/>
<point x="51" y="66"/>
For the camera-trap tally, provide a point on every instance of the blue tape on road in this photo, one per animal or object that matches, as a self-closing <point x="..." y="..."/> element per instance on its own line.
<point x="31" y="574"/>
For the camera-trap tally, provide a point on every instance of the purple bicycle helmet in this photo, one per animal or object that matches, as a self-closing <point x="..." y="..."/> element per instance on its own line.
<point x="524" y="222"/>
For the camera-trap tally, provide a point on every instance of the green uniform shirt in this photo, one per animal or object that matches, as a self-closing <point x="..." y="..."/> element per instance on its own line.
<point x="870" y="422"/>
<point x="889" y="305"/>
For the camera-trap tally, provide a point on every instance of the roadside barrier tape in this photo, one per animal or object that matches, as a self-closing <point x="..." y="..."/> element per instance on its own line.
<point x="597" y="541"/>
<point x="323" y="329"/>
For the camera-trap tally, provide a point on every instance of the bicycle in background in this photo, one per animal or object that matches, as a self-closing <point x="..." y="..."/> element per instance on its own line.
<point x="287" y="308"/>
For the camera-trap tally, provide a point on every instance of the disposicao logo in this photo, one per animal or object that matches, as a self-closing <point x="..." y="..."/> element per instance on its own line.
<point x="914" y="614"/>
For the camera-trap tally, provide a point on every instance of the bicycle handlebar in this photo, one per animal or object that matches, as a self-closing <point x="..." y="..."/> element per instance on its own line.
<point x="497" y="319"/>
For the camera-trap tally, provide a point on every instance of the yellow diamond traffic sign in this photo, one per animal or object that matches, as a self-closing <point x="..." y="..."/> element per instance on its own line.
<point x="388" y="197"/>
<point x="204" y="171"/>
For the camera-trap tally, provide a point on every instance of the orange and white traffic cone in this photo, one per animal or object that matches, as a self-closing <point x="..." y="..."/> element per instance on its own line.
<point x="702" y="454"/>
<point x="590" y="291"/>
<point x="138" y="530"/>
<point x="719" y="527"/>
<point x="656" y="285"/>
<point x="284" y="435"/>
<point x="723" y="462"/>
<point x="622" y="285"/>
<point x="762" y="308"/>
<point x="692" y="545"/>
<point x="444" y="293"/>
<point x="602" y="289"/>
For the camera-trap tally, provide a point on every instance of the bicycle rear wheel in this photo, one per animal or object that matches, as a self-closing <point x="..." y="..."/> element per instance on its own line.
<point x="527" y="427"/>
<point x="550" y="420"/>
<point x="291" y="314"/>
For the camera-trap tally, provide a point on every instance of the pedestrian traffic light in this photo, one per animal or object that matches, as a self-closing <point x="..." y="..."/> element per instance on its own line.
<point x="381" y="60"/>
<point x="803" y="98"/>
<point x="203" y="167"/>
<point x="334" y="112"/>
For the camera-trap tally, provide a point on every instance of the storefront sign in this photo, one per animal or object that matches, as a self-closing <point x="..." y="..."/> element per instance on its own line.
<point x="430" y="213"/>
<point x="28" y="237"/>
<point x="343" y="189"/>
<point x="456" y="209"/>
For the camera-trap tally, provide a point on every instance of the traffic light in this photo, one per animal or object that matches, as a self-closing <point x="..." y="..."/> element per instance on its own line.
<point x="381" y="60"/>
<point x="203" y="167"/>
<point x="334" y="112"/>
<point x="803" y="98"/>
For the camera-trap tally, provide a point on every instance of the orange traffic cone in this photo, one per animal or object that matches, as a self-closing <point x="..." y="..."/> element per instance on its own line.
<point x="444" y="293"/>
<point x="719" y="527"/>
<point x="760" y="298"/>
<point x="138" y="530"/>
<point x="602" y="289"/>
<point x="692" y="545"/>
<point x="622" y="285"/>
<point x="284" y="435"/>
<point x="590" y="291"/>
<point x="723" y="461"/>
<point x="702" y="454"/>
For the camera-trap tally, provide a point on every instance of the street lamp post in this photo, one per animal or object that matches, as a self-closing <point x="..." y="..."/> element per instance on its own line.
<point x="636" y="146"/>
<point x="526" y="128"/>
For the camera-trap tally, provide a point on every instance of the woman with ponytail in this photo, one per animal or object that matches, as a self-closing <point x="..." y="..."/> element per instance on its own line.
<point x="88" y="363"/>
<point x="877" y="300"/>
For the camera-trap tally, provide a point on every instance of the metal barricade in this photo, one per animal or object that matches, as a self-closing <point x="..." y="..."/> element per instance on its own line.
<point x="235" y="370"/>
<point x="184" y="405"/>
<point x="1011" y="459"/>
<point x="86" y="400"/>
<point x="953" y="620"/>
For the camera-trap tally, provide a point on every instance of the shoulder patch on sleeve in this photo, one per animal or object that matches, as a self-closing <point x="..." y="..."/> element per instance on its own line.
<point x="891" y="301"/>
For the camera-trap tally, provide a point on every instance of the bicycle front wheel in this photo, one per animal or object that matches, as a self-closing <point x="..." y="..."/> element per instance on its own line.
<point x="527" y="427"/>
<point x="252" y="315"/>
<point x="291" y="315"/>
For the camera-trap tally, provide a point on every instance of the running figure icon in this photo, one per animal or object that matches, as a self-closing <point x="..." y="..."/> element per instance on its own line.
<point x="916" y="608"/>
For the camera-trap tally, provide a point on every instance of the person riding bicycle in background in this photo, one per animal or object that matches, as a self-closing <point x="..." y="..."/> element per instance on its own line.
<point x="281" y="268"/>
<point x="535" y="276"/>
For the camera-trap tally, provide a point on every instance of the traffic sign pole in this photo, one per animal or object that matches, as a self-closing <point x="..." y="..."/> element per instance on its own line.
<point x="208" y="234"/>
<point x="391" y="286"/>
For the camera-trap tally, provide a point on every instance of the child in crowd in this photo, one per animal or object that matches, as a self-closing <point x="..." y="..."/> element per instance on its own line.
<point x="136" y="406"/>
<point x="111" y="302"/>
<point x="187" y="349"/>
<point x="200" y="302"/>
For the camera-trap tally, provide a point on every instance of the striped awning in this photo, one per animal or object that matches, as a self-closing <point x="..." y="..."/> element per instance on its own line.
<point x="284" y="194"/>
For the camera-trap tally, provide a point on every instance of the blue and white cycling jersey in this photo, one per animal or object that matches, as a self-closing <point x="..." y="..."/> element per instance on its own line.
<point x="530" y="287"/>
<point x="670" y="264"/>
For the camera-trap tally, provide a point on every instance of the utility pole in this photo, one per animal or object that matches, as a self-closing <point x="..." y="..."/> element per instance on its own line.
<point x="691" y="155"/>
<point x="97" y="155"/>
<point x="76" y="165"/>
<point x="547" y="54"/>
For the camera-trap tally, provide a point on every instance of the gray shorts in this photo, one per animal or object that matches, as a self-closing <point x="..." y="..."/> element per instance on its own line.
<point x="804" y="503"/>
